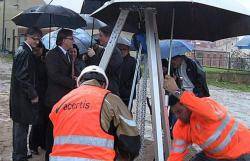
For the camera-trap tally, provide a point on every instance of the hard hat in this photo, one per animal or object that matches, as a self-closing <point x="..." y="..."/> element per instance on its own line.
<point x="123" y="41"/>
<point x="93" y="69"/>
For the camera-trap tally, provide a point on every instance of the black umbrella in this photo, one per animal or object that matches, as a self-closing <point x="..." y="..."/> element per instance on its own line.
<point x="92" y="23"/>
<point x="194" y="19"/>
<point x="49" y="16"/>
<point x="90" y="6"/>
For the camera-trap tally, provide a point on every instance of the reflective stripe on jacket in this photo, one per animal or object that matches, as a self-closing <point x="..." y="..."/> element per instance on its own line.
<point x="211" y="127"/>
<point x="77" y="129"/>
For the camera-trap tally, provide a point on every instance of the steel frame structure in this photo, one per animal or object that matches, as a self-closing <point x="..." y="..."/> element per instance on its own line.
<point x="159" y="100"/>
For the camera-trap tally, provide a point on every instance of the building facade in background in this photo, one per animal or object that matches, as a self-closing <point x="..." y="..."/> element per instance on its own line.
<point x="13" y="34"/>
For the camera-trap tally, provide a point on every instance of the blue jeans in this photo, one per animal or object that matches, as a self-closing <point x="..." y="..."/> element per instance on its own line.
<point x="202" y="157"/>
<point x="20" y="133"/>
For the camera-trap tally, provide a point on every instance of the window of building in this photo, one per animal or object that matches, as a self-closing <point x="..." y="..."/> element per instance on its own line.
<point x="8" y="44"/>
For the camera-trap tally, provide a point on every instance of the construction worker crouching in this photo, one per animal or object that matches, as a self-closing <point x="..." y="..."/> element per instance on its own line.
<point x="205" y="122"/>
<point x="91" y="123"/>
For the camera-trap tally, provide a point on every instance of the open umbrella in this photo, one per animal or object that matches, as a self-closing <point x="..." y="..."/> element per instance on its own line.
<point x="179" y="47"/>
<point x="171" y="19"/>
<point x="49" y="16"/>
<point x="244" y="43"/>
<point x="92" y="23"/>
<point x="194" y="19"/>
<point x="90" y="6"/>
<point x="81" y="38"/>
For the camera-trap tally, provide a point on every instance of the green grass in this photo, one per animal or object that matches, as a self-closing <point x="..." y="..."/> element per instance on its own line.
<point x="220" y="70"/>
<point x="6" y="58"/>
<point x="228" y="85"/>
<point x="225" y="84"/>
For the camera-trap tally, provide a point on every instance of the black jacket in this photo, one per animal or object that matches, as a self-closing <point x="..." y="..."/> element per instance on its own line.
<point x="126" y="77"/>
<point x="41" y="87"/>
<point x="113" y="69"/>
<point x="60" y="81"/>
<point x="23" y="85"/>
<point x="197" y="76"/>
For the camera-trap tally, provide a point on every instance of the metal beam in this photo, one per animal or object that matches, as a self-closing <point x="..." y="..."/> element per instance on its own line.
<point x="156" y="94"/>
<point x="137" y="68"/>
<point x="113" y="39"/>
<point x="3" y="27"/>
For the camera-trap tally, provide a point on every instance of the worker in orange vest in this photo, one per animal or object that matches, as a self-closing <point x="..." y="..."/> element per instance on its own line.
<point x="91" y="123"/>
<point x="205" y="122"/>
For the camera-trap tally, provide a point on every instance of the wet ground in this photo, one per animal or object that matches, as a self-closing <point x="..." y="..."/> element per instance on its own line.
<point x="237" y="103"/>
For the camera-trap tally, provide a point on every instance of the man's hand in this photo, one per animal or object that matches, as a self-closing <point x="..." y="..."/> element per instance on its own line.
<point x="170" y="84"/>
<point x="35" y="100"/>
<point x="91" y="52"/>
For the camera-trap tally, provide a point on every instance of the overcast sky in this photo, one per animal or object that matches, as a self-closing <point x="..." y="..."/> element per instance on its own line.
<point x="245" y="2"/>
<point x="74" y="5"/>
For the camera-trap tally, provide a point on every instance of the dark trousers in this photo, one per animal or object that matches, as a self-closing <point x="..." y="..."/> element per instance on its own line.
<point x="20" y="133"/>
<point x="202" y="157"/>
<point x="39" y="130"/>
<point x="37" y="137"/>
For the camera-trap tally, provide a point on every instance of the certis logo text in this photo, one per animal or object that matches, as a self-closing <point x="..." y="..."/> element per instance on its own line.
<point x="73" y="106"/>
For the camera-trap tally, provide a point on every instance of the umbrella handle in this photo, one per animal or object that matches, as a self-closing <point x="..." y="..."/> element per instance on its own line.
<point x="171" y="39"/>
<point x="92" y="33"/>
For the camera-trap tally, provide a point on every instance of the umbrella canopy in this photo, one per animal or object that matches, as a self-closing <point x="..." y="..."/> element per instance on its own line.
<point x="90" y="6"/>
<point x="90" y="21"/>
<point x="244" y="43"/>
<point x="81" y="39"/>
<point x="76" y="6"/>
<point x="179" y="47"/>
<point x="194" y="19"/>
<point x="49" y="16"/>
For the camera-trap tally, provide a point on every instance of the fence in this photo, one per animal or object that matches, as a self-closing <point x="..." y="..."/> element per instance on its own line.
<point x="222" y="60"/>
<point x="233" y="63"/>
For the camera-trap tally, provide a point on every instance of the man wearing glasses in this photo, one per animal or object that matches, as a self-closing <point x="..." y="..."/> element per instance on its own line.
<point x="23" y="95"/>
<point x="60" y="82"/>
<point x="94" y="56"/>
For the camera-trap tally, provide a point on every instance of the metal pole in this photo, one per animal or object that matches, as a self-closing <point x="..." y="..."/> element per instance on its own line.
<point x="5" y="37"/>
<point x="92" y="33"/>
<point x="49" y="28"/>
<point x="166" y="97"/>
<point x="3" y="27"/>
<point x="171" y="39"/>
<point x="13" y="41"/>
<point x="157" y="101"/>
<point x="137" y="68"/>
<point x="113" y="39"/>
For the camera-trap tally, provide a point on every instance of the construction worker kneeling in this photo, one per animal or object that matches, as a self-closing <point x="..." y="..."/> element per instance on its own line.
<point x="91" y="123"/>
<point x="205" y="122"/>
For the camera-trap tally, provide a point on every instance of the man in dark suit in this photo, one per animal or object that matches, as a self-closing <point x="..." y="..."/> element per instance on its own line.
<point x="127" y="70"/>
<point x="23" y="95"/>
<point x="60" y="81"/>
<point x="94" y="56"/>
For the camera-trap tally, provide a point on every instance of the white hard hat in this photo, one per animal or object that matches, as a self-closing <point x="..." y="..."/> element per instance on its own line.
<point x="124" y="41"/>
<point x="91" y="69"/>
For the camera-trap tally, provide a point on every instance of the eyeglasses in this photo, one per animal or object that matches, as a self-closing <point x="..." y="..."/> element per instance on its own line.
<point x="70" y="38"/>
<point x="35" y="38"/>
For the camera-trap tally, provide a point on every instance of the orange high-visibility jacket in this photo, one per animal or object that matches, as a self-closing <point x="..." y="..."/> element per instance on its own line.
<point x="78" y="134"/>
<point x="212" y="128"/>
